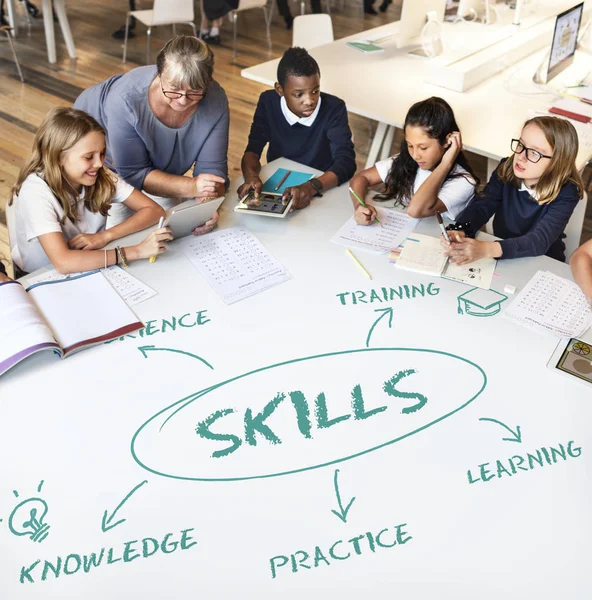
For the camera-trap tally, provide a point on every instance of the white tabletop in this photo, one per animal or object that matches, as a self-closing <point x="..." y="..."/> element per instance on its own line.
<point x="92" y="427"/>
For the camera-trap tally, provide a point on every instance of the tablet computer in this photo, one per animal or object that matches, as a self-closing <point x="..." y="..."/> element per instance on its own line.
<point x="185" y="217"/>
<point x="268" y="205"/>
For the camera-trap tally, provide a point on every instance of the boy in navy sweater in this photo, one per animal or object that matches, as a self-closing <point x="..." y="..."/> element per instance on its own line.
<point x="302" y="124"/>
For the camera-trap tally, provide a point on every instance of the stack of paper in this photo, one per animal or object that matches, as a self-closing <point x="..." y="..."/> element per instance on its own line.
<point x="553" y="305"/>
<point x="394" y="227"/>
<point x="234" y="263"/>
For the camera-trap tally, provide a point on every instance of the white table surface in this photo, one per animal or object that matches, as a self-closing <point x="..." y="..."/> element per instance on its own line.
<point x="70" y="424"/>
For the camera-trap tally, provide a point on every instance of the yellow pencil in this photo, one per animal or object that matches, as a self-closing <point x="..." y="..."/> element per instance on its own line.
<point x="358" y="263"/>
<point x="160" y="224"/>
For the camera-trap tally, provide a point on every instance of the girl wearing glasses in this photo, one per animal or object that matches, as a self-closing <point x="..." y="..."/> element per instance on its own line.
<point x="532" y="195"/>
<point x="161" y="121"/>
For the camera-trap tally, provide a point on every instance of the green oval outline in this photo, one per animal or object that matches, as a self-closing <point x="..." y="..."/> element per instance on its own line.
<point x="189" y="399"/>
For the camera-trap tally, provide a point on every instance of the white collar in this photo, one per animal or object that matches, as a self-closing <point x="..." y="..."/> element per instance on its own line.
<point x="532" y="192"/>
<point x="293" y="119"/>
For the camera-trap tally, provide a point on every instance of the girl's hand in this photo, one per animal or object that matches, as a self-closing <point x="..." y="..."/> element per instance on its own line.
<point x="4" y="278"/>
<point x="89" y="241"/>
<point x="365" y="215"/>
<point x="467" y="250"/>
<point x="454" y="141"/>
<point x="155" y="243"/>
<point x="208" y="226"/>
<point x="455" y="236"/>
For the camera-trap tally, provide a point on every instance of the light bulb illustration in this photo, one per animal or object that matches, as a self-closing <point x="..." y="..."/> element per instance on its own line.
<point x="27" y="519"/>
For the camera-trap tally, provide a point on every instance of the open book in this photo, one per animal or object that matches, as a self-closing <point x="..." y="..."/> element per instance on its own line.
<point x="62" y="316"/>
<point x="424" y="254"/>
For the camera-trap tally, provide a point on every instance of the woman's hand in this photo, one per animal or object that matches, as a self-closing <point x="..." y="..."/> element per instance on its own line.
<point x="208" y="226"/>
<point x="454" y="141"/>
<point x="251" y="185"/>
<point x="365" y="215"/>
<point x="89" y="241"/>
<point x="155" y="243"/>
<point x="208" y="186"/>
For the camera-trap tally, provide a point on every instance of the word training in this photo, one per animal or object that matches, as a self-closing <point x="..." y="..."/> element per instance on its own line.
<point x="403" y="292"/>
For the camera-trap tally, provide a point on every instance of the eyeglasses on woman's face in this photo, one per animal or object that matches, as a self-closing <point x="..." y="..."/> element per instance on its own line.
<point x="192" y="96"/>
<point x="532" y="155"/>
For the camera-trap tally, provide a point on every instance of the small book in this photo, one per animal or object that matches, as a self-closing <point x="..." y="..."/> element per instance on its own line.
<point x="62" y="316"/>
<point x="424" y="254"/>
<point x="365" y="46"/>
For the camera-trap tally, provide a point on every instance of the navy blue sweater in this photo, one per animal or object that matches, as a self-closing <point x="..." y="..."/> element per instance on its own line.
<point x="527" y="227"/>
<point x="326" y="145"/>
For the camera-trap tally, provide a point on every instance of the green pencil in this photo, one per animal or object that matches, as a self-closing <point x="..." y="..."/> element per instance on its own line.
<point x="363" y="203"/>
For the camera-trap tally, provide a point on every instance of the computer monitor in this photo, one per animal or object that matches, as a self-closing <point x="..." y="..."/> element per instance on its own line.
<point x="565" y="39"/>
<point x="414" y="17"/>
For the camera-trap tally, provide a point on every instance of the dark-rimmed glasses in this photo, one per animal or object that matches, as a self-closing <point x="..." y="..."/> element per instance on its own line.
<point x="532" y="155"/>
<point x="191" y="96"/>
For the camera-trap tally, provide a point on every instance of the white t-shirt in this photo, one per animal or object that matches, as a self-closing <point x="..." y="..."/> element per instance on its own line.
<point x="36" y="211"/>
<point x="455" y="193"/>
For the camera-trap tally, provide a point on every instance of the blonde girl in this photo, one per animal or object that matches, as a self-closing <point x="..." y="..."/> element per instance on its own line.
<point x="62" y="197"/>
<point x="532" y="195"/>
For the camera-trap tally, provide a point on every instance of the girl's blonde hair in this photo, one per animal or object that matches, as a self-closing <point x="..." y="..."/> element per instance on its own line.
<point x="189" y="63"/>
<point x="61" y="129"/>
<point x="563" y="139"/>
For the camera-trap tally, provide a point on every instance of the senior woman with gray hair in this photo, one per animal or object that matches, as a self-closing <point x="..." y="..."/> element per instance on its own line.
<point x="161" y="120"/>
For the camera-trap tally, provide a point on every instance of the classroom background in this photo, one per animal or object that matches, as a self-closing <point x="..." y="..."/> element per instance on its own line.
<point x="99" y="55"/>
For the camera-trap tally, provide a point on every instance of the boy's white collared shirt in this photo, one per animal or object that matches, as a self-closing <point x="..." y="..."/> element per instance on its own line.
<point x="293" y="119"/>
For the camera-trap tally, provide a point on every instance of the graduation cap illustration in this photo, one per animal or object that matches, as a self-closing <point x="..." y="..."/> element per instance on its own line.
<point x="480" y="303"/>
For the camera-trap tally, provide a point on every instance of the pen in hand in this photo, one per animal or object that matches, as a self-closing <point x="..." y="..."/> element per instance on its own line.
<point x="362" y="203"/>
<point x="441" y="223"/>
<point x="160" y="224"/>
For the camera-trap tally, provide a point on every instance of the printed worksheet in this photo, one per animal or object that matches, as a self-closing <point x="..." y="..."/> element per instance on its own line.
<point x="394" y="227"/>
<point x="130" y="288"/>
<point x="234" y="263"/>
<point x="553" y="305"/>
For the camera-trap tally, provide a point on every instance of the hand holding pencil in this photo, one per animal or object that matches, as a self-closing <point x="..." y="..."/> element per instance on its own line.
<point x="364" y="214"/>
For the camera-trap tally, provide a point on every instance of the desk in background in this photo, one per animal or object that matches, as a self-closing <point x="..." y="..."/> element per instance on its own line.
<point x="47" y="7"/>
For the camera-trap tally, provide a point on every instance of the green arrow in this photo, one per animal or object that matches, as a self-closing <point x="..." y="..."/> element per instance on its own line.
<point x="145" y="349"/>
<point x="342" y="514"/>
<point x="517" y="435"/>
<point x="384" y="311"/>
<point x="106" y="524"/>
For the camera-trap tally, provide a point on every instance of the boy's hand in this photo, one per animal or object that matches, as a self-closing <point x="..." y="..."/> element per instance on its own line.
<point x="301" y="195"/>
<point x="253" y="184"/>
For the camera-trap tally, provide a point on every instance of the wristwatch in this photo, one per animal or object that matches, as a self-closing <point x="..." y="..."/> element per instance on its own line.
<point x="317" y="185"/>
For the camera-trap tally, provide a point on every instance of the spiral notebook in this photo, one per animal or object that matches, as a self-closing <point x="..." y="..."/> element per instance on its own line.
<point x="424" y="254"/>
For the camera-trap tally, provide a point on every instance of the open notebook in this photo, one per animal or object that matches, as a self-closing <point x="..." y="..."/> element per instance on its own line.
<point x="62" y="316"/>
<point x="424" y="254"/>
